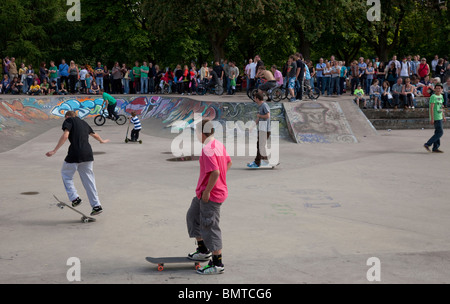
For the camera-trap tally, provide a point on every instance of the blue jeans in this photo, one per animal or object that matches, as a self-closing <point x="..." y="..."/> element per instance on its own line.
<point x="126" y="86"/>
<point x="320" y="84"/>
<point x="326" y="85"/>
<point x="435" y="140"/>
<point x="335" y="84"/>
<point x="368" y="84"/>
<point x="144" y="85"/>
<point x="99" y="81"/>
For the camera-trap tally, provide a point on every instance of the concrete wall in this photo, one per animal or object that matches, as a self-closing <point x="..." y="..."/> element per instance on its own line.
<point x="19" y="111"/>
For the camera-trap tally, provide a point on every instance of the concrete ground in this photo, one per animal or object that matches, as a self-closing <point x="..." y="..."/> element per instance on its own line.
<point x="317" y="218"/>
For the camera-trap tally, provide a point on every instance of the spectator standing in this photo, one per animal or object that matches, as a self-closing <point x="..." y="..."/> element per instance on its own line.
<point x="53" y="72"/>
<point x="335" y="78"/>
<point x="30" y="76"/>
<point x="327" y="79"/>
<point x="319" y="75"/>
<point x="117" y="78"/>
<point x="145" y="70"/>
<point x="354" y="76"/>
<point x="434" y="63"/>
<point x="424" y="69"/>
<point x="342" y="77"/>
<point x="23" y="77"/>
<point x="99" y="72"/>
<point x="43" y="72"/>
<point x="300" y="75"/>
<point x="73" y="76"/>
<point x="13" y="69"/>
<point x="151" y="78"/>
<point x="64" y="73"/>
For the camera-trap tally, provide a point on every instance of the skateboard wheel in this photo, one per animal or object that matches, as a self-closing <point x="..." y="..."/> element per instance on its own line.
<point x="160" y="267"/>
<point x="126" y="140"/>
<point x="197" y="266"/>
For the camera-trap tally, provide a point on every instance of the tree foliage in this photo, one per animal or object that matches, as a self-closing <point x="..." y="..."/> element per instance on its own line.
<point x="172" y="32"/>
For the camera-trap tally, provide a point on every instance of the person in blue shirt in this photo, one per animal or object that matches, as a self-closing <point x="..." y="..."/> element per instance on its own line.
<point x="319" y="74"/>
<point x="63" y="70"/>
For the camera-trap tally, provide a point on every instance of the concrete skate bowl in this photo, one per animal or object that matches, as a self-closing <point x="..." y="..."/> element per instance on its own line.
<point x="23" y="118"/>
<point x="167" y="117"/>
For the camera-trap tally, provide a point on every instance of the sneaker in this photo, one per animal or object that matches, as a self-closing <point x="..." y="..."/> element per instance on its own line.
<point x="252" y="165"/>
<point x="76" y="202"/>
<point x="211" y="269"/>
<point x="96" y="210"/>
<point x="438" y="151"/>
<point x="427" y="147"/>
<point x="264" y="163"/>
<point x="198" y="256"/>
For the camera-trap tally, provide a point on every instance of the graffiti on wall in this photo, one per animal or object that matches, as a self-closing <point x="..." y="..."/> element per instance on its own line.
<point x="168" y="110"/>
<point x="21" y="112"/>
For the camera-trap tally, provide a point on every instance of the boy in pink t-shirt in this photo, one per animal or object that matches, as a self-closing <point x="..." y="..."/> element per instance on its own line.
<point x="203" y="216"/>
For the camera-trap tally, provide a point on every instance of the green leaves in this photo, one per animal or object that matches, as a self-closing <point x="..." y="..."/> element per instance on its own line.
<point x="180" y="31"/>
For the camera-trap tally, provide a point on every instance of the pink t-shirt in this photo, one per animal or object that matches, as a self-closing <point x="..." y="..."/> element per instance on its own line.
<point x="279" y="77"/>
<point x="214" y="157"/>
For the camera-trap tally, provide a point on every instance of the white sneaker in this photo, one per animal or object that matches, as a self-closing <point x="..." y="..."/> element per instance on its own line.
<point x="198" y="256"/>
<point x="211" y="269"/>
<point x="264" y="163"/>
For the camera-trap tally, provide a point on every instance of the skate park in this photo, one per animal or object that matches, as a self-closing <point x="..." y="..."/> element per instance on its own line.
<point x="343" y="193"/>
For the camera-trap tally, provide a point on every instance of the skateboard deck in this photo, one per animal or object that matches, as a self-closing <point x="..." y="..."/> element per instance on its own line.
<point x="265" y="168"/>
<point x="174" y="260"/>
<point x="84" y="218"/>
<point x="129" y="140"/>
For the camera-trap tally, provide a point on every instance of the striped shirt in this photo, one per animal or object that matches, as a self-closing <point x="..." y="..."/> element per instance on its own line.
<point x="137" y="123"/>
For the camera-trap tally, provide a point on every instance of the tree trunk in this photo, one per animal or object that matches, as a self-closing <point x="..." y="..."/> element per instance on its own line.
<point x="305" y="45"/>
<point x="217" y="40"/>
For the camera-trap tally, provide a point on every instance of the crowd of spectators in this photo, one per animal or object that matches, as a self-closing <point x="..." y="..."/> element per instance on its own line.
<point x="388" y="83"/>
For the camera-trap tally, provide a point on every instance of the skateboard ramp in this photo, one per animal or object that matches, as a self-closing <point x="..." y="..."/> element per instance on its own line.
<point x="23" y="118"/>
<point x="318" y="122"/>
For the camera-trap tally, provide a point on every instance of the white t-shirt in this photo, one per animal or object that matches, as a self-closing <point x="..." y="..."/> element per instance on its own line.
<point x="404" y="71"/>
<point x="252" y="67"/>
<point x="83" y="74"/>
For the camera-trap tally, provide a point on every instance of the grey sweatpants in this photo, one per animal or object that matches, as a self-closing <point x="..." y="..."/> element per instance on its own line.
<point x="203" y="222"/>
<point x="85" y="170"/>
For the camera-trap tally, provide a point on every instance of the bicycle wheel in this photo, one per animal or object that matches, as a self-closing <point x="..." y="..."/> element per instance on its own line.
<point x="277" y="95"/>
<point x="314" y="93"/>
<point x="201" y="90"/>
<point x="219" y="90"/>
<point x="250" y="94"/>
<point x="253" y="94"/>
<point x="121" y="120"/>
<point x="99" y="120"/>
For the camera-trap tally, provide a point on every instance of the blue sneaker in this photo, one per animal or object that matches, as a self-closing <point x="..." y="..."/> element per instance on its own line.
<point x="252" y="165"/>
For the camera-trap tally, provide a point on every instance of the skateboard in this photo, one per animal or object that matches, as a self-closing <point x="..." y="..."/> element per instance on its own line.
<point x="174" y="260"/>
<point x="84" y="219"/>
<point x="265" y="168"/>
